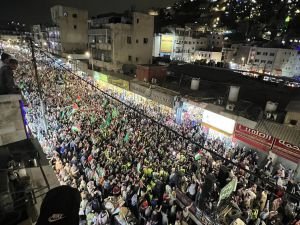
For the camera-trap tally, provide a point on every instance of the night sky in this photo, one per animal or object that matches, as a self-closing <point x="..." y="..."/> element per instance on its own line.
<point x="38" y="11"/>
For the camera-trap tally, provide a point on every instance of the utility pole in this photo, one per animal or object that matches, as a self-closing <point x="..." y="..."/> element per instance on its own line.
<point x="38" y="85"/>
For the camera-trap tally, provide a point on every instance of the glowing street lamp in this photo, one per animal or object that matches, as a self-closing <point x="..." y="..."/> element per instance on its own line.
<point x="89" y="56"/>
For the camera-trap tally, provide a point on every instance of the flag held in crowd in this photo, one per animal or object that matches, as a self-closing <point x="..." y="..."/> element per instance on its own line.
<point x="228" y="189"/>
<point x="76" y="128"/>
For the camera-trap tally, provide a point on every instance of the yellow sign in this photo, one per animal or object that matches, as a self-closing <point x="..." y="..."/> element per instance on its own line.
<point x="166" y="43"/>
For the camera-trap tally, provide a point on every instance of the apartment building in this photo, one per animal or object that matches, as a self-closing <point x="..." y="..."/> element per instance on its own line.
<point x="181" y="44"/>
<point x="68" y="35"/>
<point x="115" y="40"/>
<point x="273" y="61"/>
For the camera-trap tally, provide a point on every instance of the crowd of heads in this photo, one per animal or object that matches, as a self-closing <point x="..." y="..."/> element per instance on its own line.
<point x="113" y="154"/>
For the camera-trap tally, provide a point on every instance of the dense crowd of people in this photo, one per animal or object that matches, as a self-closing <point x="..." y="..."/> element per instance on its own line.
<point x="129" y="168"/>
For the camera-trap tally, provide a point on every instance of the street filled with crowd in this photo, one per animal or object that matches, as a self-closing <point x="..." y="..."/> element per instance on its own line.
<point x="129" y="162"/>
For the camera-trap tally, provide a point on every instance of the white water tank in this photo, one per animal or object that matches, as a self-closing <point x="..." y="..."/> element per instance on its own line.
<point x="195" y="84"/>
<point x="233" y="93"/>
<point x="271" y="106"/>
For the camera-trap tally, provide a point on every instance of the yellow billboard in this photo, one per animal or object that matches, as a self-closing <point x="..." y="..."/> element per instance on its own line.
<point x="166" y="43"/>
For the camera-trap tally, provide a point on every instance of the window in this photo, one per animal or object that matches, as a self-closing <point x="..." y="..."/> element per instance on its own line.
<point x="75" y="27"/>
<point x="189" y="42"/>
<point x="269" y="62"/>
<point x="129" y="58"/>
<point x="218" y="37"/>
<point x="128" y="40"/>
<point x="263" y="61"/>
<point x="136" y="59"/>
<point x="272" y="54"/>
<point x="74" y="15"/>
<point x="137" y="41"/>
<point x="256" y="60"/>
<point x="145" y="40"/>
<point x="137" y="20"/>
<point x="258" y="53"/>
<point x="265" y="53"/>
<point x="197" y="42"/>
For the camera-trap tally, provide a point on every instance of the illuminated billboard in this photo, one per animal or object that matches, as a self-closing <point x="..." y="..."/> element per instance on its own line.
<point x="166" y="43"/>
<point x="220" y="122"/>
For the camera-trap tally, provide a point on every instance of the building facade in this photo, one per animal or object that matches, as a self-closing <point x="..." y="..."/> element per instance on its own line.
<point x="69" y="33"/>
<point x="273" y="61"/>
<point x="116" y="40"/>
<point x="180" y="44"/>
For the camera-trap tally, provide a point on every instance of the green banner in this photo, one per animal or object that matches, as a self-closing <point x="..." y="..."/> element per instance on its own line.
<point x="228" y="189"/>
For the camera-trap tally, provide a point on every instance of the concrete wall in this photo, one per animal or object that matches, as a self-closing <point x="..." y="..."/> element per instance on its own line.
<point x="146" y="73"/>
<point x="11" y="121"/>
<point x="140" y="52"/>
<point x="73" y="27"/>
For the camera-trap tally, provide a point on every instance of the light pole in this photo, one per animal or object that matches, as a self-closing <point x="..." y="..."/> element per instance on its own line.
<point x="90" y="56"/>
<point x="243" y="62"/>
<point x="38" y="86"/>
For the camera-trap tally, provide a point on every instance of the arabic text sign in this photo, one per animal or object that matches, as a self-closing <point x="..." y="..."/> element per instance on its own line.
<point x="253" y="137"/>
<point x="286" y="150"/>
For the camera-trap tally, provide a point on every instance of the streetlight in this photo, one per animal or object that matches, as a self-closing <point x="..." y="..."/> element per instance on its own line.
<point x="89" y="55"/>
<point x="243" y="61"/>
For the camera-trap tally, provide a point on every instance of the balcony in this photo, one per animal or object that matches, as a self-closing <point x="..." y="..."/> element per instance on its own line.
<point x="103" y="46"/>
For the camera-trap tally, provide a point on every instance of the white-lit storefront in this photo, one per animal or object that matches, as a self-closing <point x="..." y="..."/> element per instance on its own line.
<point x="217" y="126"/>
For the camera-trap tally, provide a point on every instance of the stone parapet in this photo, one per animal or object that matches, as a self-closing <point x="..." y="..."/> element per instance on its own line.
<point x="11" y="122"/>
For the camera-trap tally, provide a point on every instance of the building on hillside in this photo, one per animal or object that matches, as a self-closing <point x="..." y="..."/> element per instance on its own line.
<point x="116" y="40"/>
<point x="180" y="44"/>
<point x="68" y="35"/>
<point x="273" y="61"/>
<point x="207" y="56"/>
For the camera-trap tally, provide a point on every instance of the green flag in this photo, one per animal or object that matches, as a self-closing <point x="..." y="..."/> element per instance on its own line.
<point x="197" y="156"/>
<point x="93" y="119"/>
<point x="228" y="189"/>
<point x="108" y="119"/>
<point x="115" y="113"/>
<point x="126" y="138"/>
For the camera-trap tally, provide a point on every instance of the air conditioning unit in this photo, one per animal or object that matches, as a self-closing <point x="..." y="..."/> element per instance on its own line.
<point x="268" y="115"/>
<point x="274" y="116"/>
<point x="230" y="107"/>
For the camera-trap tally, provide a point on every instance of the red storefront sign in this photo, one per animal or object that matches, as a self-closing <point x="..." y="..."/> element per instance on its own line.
<point x="286" y="150"/>
<point x="254" y="138"/>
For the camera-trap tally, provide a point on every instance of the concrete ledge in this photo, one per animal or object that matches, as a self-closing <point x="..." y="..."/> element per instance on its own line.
<point x="10" y="98"/>
<point x="11" y="121"/>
